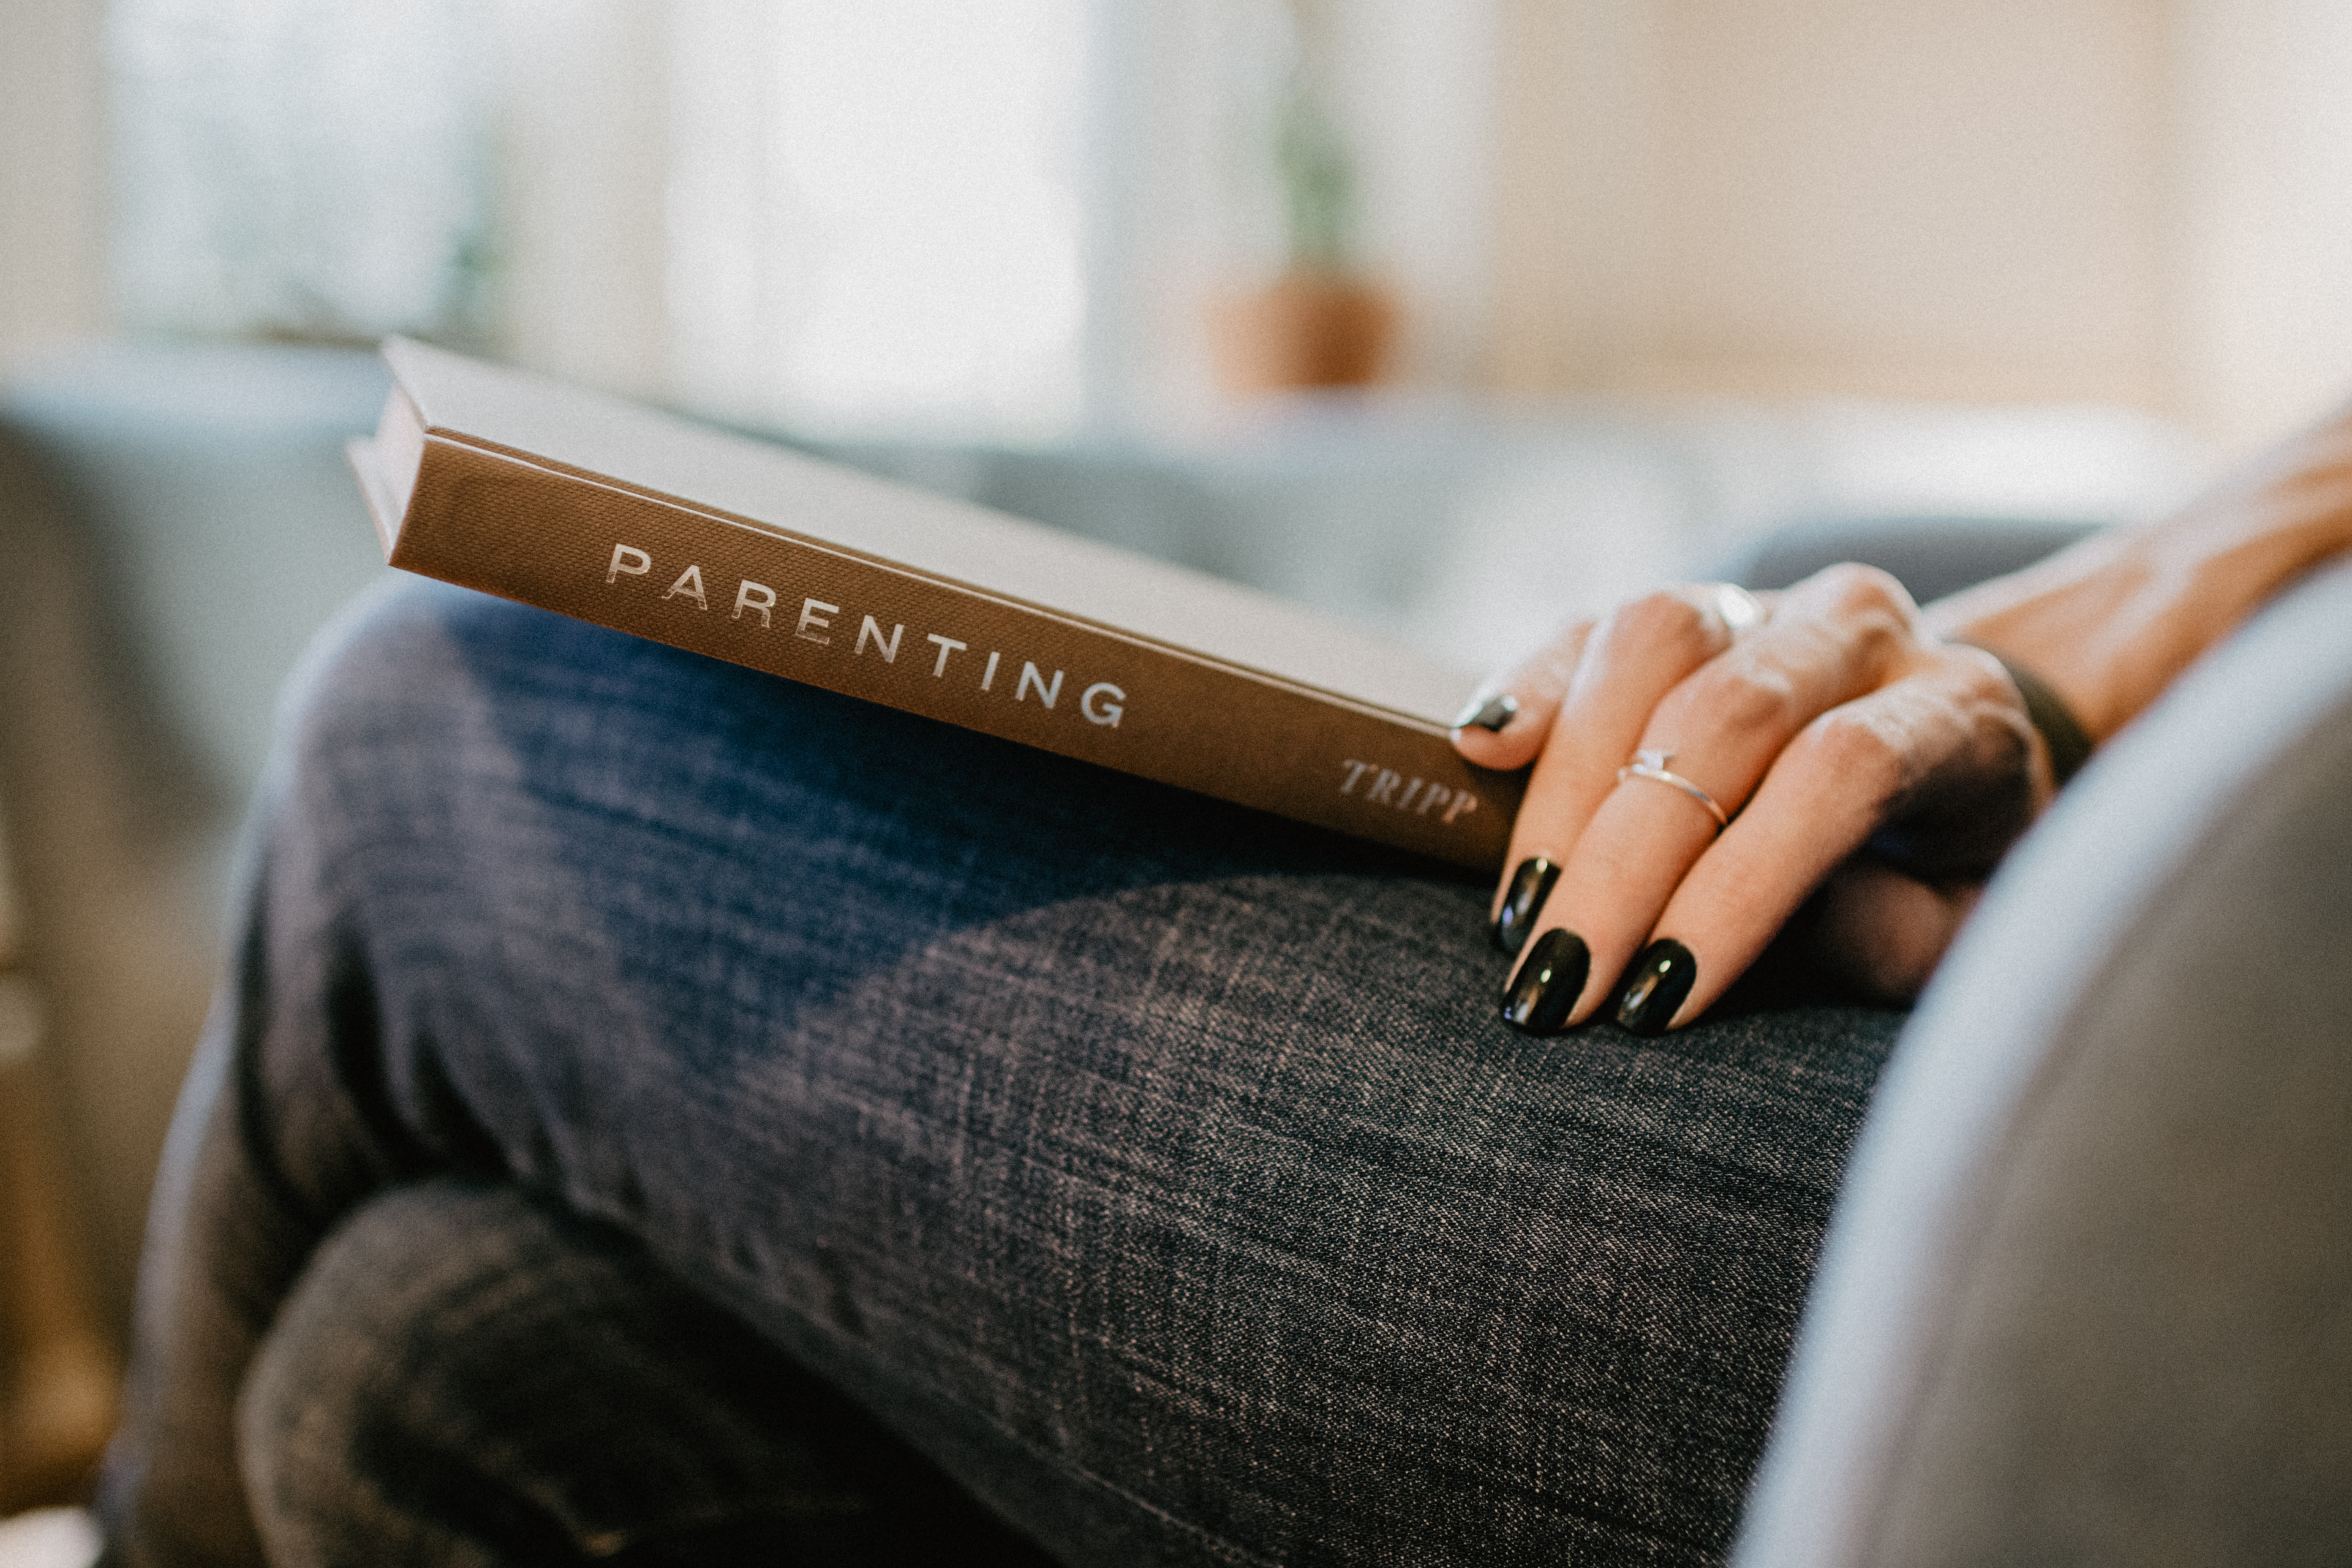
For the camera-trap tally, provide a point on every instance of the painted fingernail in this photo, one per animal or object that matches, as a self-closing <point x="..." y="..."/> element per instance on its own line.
<point x="1491" y="713"/>
<point x="1655" y="986"/>
<point x="1548" y="982"/>
<point x="1530" y="886"/>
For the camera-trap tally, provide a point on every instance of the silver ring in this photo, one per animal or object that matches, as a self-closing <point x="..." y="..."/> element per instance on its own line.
<point x="1736" y="607"/>
<point x="1651" y="765"/>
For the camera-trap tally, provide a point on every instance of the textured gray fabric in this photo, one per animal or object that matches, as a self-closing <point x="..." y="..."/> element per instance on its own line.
<point x="467" y="1376"/>
<point x="1931" y="556"/>
<point x="2088" y="1296"/>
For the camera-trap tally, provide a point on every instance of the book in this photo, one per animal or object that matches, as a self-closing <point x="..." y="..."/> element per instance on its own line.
<point x="614" y="512"/>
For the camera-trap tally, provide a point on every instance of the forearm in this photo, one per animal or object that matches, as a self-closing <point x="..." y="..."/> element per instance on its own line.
<point x="2110" y="623"/>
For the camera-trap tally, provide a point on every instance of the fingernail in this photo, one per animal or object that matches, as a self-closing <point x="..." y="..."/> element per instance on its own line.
<point x="1539" y="997"/>
<point x="1491" y="713"/>
<point x="1530" y="886"/>
<point x="1660" y="979"/>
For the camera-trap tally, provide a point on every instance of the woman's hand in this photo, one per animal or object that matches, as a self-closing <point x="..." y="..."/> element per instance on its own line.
<point x="1862" y="750"/>
<point x="1854" y="753"/>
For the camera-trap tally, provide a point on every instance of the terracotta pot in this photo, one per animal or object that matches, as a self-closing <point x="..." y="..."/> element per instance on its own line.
<point x="1310" y="328"/>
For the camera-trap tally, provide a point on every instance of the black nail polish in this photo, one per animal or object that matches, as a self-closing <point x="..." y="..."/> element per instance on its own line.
<point x="1491" y="714"/>
<point x="1530" y="886"/>
<point x="1539" y="996"/>
<point x="1655" y="986"/>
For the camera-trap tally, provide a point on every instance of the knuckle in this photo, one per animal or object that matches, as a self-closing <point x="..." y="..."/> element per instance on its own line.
<point x="1865" y="591"/>
<point x="1851" y="745"/>
<point x="1867" y="615"/>
<point x="1743" y="696"/>
<point x="1660" y="618"/>
<point x="1979" y="680"/>
<point x="1990" y="704"/>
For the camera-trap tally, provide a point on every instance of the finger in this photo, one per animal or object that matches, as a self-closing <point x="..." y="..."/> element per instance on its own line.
<point x="1848" y="773"/>
<point x="1627" y="663"/>
<point x="1506" y="722"/>
<point x="1706" y="746"/>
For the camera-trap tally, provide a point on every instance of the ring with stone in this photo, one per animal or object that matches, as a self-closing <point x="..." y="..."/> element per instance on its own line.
<point x="1651" y="765"/>
<point x="1734" y="606"/>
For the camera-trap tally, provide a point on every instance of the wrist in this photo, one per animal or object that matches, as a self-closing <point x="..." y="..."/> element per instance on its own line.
<point x="2111" y="622"/>
<point x="2084" y="622"/>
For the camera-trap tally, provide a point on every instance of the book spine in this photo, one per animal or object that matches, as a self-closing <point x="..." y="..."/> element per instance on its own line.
<point x="756" y="596"/>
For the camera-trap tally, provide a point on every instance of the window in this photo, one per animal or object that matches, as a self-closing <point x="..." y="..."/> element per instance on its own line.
<point x="875" y="210"/>
<point x="846" y="217"/>
<point x="291" y="168"/>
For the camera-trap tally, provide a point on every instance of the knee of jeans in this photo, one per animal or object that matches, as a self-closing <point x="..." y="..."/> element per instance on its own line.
<point x="337" y="1364"/>
<point x="396" y="637"/>
<point x="466" y="1373"/>
<point x="393" y="690"/>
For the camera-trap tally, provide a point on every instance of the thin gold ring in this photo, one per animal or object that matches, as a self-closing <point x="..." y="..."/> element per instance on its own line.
<point x="1651" y="765"/>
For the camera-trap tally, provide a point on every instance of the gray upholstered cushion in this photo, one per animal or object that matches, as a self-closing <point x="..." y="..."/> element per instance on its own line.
<point x="1931" y="556"/>
<point x="2088" y="1296"/>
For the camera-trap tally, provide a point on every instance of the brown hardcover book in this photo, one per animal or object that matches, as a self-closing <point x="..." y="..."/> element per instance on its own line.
<point x="597" y="508"/>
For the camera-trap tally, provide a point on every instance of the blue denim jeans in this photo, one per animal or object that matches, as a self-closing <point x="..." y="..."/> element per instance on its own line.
<point x="657" y="1112"/>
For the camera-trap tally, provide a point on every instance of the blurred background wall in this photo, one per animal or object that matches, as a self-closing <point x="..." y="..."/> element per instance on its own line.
<point x="2138" y="201"/>
<point x="53" y="191"/>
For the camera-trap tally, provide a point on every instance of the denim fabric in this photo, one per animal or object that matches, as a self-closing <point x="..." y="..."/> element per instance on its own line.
<point x="1160" y="1170"/>
<point x="466" y="1375"/>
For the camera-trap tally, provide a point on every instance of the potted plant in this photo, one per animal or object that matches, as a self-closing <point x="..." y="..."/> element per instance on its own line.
<point x="1321" y="322"/>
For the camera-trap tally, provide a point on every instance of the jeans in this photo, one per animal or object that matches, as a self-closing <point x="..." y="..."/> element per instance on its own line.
<point x="658" y="1111"/>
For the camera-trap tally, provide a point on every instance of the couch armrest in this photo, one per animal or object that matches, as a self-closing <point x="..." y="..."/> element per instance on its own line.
<point x="1931" y="556"/>
<point x="2086" y="1296"/>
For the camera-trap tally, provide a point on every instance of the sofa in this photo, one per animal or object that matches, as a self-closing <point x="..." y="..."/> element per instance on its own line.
<point x="2086" y="1298"/>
